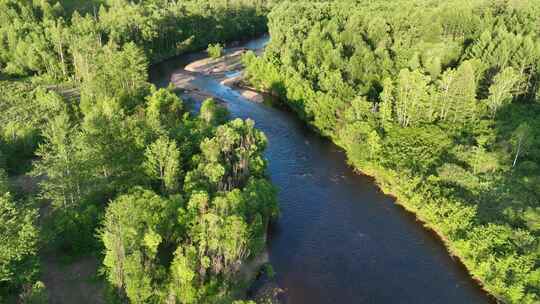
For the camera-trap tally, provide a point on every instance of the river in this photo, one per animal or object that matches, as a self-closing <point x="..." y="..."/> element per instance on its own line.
<point x="339" y="239"/>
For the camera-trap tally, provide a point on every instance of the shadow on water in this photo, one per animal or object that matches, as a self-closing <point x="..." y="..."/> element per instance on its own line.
<point x="339" y="239"/>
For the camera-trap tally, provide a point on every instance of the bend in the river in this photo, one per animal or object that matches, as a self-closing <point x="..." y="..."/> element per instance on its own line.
<point x="339" y="239"/>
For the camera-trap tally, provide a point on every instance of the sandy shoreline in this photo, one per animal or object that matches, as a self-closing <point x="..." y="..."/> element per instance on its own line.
<point x="227" y="70"/>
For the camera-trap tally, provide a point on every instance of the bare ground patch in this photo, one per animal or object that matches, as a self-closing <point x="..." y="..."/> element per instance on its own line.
<point x="75" y="282"/>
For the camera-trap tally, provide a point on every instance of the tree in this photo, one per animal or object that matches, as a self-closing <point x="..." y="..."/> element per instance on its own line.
<point x="375" y="145"/>
<point x="19" y="237"/>
<point x="164" y="110"/>
<point x="58" y="33"/>
<point x="457" y="94"/>
<point x="115" y="73"/>
<point x="412" y="98"/>
<point x="134" y="226"/>
<point x="521" y="140"/>
<point x="212" y="113"/>
<point x="62" y="163"/>
<point x="183" y="283"/>
<point x="505" y="86"/>
<point x="110" y="150"/>
<point x="230" y="158"/>
<point x="386" y="106"/>
<point x="215" y="50"/>
<point x="162" y="163"/>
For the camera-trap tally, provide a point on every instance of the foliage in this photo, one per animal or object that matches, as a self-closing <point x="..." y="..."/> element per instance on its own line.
<point x="18" y="236"/>
<point x="44" y="38"/>
<point x="215" y="50"/>
<point x="199" y="244"/>
<point x="212" y="113"/>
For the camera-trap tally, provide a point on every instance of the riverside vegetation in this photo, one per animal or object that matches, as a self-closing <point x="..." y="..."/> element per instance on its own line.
<point x="439" y="101"/>
<point x="174" y="203"/>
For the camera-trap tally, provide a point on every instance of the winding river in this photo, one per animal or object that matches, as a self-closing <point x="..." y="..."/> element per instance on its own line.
<point x="339" y="239"/>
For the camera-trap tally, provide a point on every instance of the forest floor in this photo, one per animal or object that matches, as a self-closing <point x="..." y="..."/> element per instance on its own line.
<point x="72" y="282"/>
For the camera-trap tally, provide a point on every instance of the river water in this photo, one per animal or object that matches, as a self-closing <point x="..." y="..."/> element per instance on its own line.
<point x="339" y="239"/>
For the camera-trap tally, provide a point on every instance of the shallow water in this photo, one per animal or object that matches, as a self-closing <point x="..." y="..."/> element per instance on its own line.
<point x="339" y="239"/>
<point x="233" y="74"/>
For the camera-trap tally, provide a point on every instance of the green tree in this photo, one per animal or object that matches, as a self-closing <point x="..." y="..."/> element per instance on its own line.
<point x="375" y="145"/>
<point x="184" y="275"/>
<point x="162" y="163"/>
<point x="215" y="50"/>
<point x="521" y="141"/>
<point x="115" y="73"/>
<point x="134" y="226"/>
<point x="59" y="35"/>
<point x="164" y="109"/>
<point x="412" y="98"/>
<point x="386" y="106"/>
<point x="19" y="237"/>
<point x="505" y="86"/>
<point x="61" y="161"/>
<point x="110" y="150"/>
<point x="457" y="94"/>
<point x="229" y="158"/>
<point x="212" y="113"/>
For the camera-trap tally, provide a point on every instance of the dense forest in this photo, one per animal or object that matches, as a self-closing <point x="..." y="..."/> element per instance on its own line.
<point x="173" y="203"/>
<point x="439" y="101"/>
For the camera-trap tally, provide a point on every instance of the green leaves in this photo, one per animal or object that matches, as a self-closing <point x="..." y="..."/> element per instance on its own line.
<point x="412" y="98"/>
<point x="108" y="132"/>
<point x="505" y="86"/>
<point x="229" y="202"/>
<point x="183" y="283"/>
<point x="119" y="73"/>
<point x="233" y="155"/>
<point x="162" y="163"/>
<point x="215" y="50"/>
<point x="18" y="236"/>
<point x="134" y="226"/>
<point x="212" y="113"/>
<point x="163" y="110"/>
<point x="61" y="160"/>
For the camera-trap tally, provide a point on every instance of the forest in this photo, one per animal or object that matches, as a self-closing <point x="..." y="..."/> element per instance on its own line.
<point x="439" y="101"/>
<point x="95" y="160"/>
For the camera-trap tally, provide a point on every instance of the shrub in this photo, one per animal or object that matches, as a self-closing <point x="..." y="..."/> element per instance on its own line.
<point x="215" y="50"/>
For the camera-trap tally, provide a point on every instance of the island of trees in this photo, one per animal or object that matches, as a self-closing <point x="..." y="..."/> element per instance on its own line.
<point x="173" y="203"/>
<point x="439" y="101"/>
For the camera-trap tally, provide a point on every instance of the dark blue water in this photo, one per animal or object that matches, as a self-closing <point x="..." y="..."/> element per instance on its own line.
<point x="339" y="239"/>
